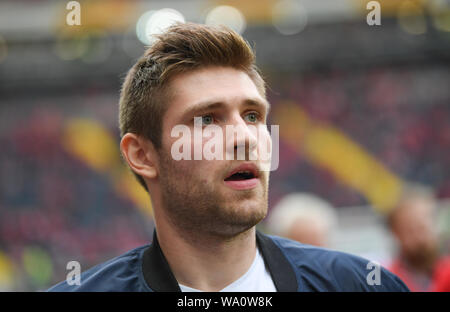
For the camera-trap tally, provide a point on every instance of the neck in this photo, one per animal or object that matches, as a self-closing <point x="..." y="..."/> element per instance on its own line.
<point x="206" y="262"/>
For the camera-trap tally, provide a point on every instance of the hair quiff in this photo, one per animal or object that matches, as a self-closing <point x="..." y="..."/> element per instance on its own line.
<point x="145" y="93"/>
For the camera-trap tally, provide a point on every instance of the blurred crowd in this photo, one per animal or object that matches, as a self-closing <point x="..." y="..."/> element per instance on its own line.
<point x="399" y="114"/>
<point x="54" y="208"/>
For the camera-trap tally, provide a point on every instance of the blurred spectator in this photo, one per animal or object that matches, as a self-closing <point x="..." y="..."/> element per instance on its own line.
<point x="303" y="217"/>
<point x="418" y="262"/>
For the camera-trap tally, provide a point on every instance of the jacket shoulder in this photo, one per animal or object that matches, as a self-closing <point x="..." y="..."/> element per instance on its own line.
<point x="122" y="273"/>
<point x="322" y="269"/>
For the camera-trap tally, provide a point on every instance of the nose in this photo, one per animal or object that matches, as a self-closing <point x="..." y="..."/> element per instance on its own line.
<point x="241" y="139"/>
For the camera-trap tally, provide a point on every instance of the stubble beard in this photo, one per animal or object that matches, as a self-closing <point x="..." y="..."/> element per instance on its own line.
<point x="195" y="207"/>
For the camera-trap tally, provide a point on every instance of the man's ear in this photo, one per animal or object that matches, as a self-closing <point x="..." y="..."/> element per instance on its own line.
<point x="140" y="155"/>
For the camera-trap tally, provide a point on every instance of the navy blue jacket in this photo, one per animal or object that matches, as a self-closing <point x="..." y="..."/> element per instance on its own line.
<point x="293" y="267"/>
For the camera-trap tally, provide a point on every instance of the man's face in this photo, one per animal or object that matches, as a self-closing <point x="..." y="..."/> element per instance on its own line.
<point x="415" y="230"/>
<point x="203" y="195"/>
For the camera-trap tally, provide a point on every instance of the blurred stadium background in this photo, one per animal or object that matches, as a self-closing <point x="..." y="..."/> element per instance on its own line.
<point x="361" y="109"/>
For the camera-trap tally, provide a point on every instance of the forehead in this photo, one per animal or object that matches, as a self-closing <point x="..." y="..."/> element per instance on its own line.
<point x="414" y="210"/>
<point x="227" y="85"/>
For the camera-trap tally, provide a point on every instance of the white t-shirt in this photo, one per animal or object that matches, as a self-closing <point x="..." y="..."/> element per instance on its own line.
<point x="256" y="279"/>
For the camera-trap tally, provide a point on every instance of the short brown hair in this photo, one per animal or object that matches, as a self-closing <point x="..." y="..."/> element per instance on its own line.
<point x="410" y="192"/>
<point x="182" y="47"/>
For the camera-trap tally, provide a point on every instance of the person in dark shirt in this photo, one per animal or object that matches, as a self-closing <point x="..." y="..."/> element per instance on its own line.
<point x="206" y="208"/>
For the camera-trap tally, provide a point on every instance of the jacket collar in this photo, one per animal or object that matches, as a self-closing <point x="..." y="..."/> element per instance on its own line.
<point x="159" y="276"/>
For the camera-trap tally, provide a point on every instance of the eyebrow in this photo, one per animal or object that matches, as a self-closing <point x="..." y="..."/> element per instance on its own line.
<point x="218" y="103"/>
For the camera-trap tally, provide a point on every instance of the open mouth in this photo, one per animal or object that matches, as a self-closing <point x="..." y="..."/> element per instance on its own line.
<point x="241" y="175"/>
<point x="244" y="177"/>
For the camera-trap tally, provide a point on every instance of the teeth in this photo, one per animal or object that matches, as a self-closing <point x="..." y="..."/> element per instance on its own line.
<point x="244" y="172"/>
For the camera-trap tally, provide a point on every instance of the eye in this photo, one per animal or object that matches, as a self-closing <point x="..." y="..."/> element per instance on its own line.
<point x="207" y="119"/>
<point x="251" y="117"/>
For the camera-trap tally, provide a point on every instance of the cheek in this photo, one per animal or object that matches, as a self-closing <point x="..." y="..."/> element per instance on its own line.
<point x="266" y="175"/>
<point x="206" y="170"/>
<point x="264" y="136"/>
<point x="267" y="150"/>
<point x="194" y="172"/>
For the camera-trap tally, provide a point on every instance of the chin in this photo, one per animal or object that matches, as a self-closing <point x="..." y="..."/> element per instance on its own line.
<point x="250" y="212"/>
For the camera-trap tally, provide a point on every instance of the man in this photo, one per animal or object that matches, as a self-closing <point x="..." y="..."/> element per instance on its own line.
<point x="303" y="217"/>
<point x="418" y="263"/>
<point x="205" y="210"/>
